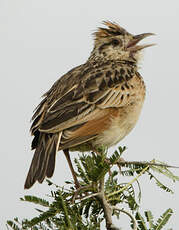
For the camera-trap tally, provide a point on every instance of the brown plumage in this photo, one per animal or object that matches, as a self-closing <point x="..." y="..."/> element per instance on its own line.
<point x="95" y="103"/>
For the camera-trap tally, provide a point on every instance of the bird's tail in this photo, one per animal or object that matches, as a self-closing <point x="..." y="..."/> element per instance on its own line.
<point x="43" y="162"/>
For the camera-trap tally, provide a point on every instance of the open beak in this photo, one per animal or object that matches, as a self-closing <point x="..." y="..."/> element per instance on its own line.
<point x="132" y="45"/>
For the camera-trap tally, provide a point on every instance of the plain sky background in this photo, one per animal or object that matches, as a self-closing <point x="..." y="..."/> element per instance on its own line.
<point x="42" y="39"/>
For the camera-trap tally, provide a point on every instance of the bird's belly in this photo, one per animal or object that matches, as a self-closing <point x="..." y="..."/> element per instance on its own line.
<point x="120" y="126"/>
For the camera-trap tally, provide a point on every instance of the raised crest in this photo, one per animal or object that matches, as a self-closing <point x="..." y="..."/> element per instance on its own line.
<point x="112" y="29"/>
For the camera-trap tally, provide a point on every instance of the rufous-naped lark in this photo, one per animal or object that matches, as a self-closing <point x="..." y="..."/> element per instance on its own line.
<point x="96" y="103"/>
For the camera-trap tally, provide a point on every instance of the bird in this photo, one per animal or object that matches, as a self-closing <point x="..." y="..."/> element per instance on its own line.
<point x="95" y="104"/>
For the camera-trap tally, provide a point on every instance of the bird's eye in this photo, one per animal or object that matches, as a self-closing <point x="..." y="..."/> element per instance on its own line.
<point x="115" y="42"/>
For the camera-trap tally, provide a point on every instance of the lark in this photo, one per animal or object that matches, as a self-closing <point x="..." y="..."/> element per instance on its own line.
<point x="96" y="103"/>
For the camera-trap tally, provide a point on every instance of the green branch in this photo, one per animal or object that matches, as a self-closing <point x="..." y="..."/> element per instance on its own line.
<point x="101" y="193"/>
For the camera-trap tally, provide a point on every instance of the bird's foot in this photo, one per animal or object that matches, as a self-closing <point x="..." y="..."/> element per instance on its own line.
<point x="119" y="162"/>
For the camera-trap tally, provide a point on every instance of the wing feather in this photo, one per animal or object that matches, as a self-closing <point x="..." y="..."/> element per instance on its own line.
<point x="83" y="100"/>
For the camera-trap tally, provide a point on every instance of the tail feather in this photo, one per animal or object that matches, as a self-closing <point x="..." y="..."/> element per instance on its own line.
<point x="43" y="162"/>
<point x="51" y="165"/>
<point x="48" y="150"/>
<point x="51" y="162"/>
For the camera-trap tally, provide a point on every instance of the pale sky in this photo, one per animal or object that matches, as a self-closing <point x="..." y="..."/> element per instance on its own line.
<point x="42" y="39"/>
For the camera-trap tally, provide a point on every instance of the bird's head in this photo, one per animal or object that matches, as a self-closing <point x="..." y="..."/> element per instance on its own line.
<point x="115" y="43"/>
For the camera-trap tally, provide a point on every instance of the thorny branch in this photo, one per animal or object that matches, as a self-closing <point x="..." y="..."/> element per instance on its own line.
<point x="127" y="213"/>
<point x="78" y="190"/>
<point x="144" y="163"/>
<point x="89" y="196"/>
<point x="108" y="209"/>
<point x="128" y="184"/>
<point x="106" y="206"/>
<point x="72" y="202"/>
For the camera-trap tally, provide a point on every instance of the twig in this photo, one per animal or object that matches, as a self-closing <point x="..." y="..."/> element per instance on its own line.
<point x="106" y="206"/>
<point x="91" y="195"/>
<point x="82" y="188"/>
<point x="128" y="184"/>
<point x="127" y="213"/>
<point x="123" y="163"/>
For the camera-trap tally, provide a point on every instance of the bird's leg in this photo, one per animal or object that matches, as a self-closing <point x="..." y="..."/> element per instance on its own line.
<point x="67" y="155"/>
<point x="119" y="162"/>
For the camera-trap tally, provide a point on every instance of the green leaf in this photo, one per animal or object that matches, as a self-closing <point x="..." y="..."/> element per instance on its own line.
<point x="36" y="200"/>
<point x="160" y="184"/>
<point x="13" y="225"/>
<point x="87" y="207"/>
<point x="67" y="219"/>
<point x="162" y="221"/>
<point x="121" y="149"/>
<point x="149" y="218"/>
<point x="81" y="171"/>
<point x="114" y="157"/>
<point x="164" y="170"/>
<point x="140" y="221"/>
<point x="42" y="217"/>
